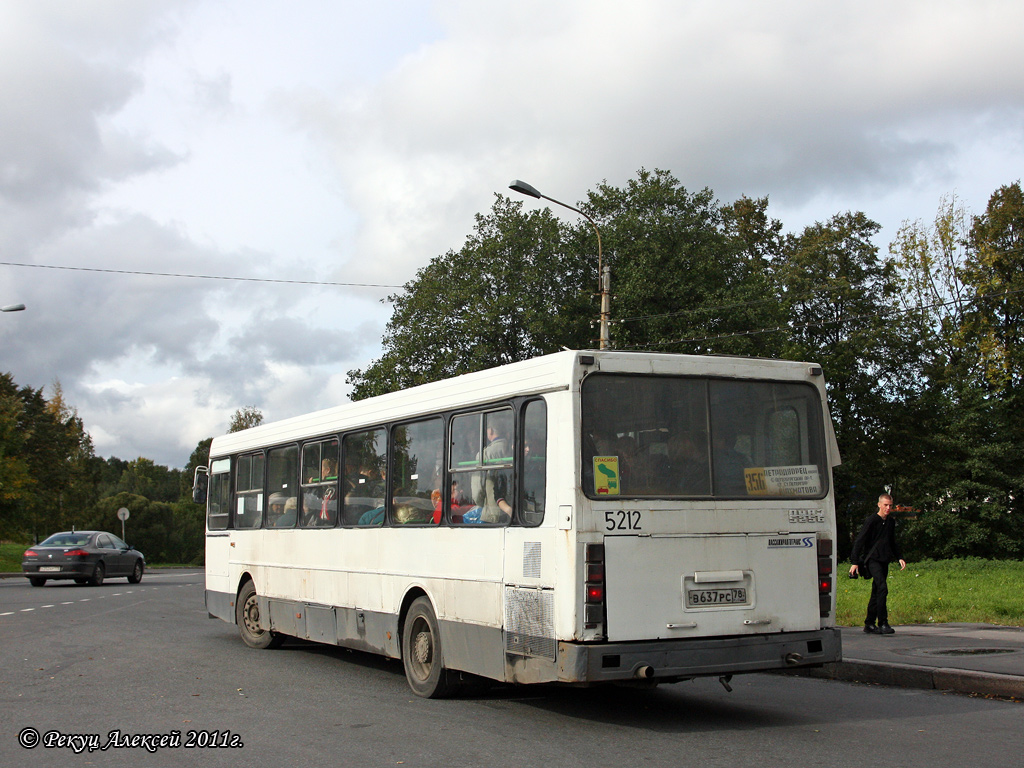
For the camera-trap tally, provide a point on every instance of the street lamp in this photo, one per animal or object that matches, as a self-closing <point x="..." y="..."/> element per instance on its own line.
<point x="603" y="271"/>
<point x="12" y="308"/>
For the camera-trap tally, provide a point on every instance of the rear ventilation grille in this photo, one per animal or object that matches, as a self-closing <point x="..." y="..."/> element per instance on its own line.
<point x="529" y="622"/>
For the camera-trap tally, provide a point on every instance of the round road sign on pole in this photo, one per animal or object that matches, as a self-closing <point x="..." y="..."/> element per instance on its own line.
<point x="122" y="515"/>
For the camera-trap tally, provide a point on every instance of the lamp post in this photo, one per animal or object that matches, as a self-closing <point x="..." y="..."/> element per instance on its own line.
<point x="603" y="271"/>
<point x="12" y="308"/>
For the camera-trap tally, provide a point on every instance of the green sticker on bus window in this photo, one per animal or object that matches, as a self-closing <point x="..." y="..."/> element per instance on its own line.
<point x="606" y="475"/>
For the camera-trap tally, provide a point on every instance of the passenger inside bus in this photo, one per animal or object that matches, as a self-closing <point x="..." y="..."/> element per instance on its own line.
<point x="729" y="464"/>
<point x="328" y="511"/>
<point x="363" y="482"/>
<point x="686" y="471"/>
<point x="282" y="511"/>
<point x="492" y="488"/>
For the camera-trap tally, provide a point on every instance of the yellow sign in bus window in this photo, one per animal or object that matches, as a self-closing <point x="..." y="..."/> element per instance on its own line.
<point x="606" y="475"/>
<point x="801" y="480"/>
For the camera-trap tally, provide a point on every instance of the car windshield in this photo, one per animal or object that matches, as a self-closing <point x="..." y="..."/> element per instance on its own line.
<point x="66" y="540"/>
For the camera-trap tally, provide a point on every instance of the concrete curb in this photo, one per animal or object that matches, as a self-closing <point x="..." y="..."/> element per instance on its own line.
<point x="927" y="678"/>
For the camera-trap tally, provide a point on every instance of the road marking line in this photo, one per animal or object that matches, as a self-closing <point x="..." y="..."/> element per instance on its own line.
<point x="26" y="610"/>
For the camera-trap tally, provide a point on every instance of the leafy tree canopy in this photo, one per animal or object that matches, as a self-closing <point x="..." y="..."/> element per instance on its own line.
<point x="244" y="418"/>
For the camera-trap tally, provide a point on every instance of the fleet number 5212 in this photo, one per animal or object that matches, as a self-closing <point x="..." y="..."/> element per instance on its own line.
<point x="622" y="520"/>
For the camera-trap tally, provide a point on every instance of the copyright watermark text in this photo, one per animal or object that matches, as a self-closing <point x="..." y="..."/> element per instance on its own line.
<point x="30" y="738"/>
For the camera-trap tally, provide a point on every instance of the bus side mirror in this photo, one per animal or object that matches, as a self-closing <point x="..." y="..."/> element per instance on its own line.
<point x="199" y="485"/>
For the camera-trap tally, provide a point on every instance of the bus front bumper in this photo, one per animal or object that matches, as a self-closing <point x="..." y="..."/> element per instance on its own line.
<point x="699" y="657"/>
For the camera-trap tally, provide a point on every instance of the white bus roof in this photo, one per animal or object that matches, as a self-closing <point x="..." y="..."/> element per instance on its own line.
<point x="549" y="373"/>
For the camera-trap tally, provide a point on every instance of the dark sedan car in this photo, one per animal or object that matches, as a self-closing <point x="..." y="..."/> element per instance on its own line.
<point x="88" y="557"/>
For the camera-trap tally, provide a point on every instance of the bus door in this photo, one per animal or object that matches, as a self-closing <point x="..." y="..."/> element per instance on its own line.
<point x="218" y="516"/>
<point x="680" y="586"/>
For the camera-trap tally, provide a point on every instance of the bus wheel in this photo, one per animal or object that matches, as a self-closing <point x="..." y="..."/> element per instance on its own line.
<point x="247" y="617"/>
<point x="421" y="652"/>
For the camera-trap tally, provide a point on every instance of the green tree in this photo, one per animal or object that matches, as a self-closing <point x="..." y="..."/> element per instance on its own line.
<point x="841" y="302"/>
<point x="994" y="274"/>
<point x="47" y="456"/>
<point x="930" y="260"/>
<point x="515" y="290"/>
<point x="688" y="274"/>
<point x="16" y="479"/>
<point x="960" y="283"/>
<point x="244" y="418"/>
<point x="156" y="482"/>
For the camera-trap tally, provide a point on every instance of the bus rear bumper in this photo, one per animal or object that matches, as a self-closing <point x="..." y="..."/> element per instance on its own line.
<point x="699" y="657"/>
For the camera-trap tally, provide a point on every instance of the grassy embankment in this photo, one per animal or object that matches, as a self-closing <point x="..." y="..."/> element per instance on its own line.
<point x="930" y="592"/>
<point x="940" y="591"/>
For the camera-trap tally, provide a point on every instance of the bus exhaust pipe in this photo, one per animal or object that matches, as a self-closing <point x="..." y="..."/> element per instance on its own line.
<point x="644" y="672"/>
<point x="792" y="659"/>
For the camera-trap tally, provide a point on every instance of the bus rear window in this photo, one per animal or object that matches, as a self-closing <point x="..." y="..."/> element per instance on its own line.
<point x="660" y="436"/>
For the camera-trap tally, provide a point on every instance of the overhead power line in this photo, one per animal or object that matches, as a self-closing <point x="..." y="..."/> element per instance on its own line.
<point x="199" y="277"/>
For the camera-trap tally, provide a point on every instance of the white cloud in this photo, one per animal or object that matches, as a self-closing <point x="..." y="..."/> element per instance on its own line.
<point x="352" y="142"/>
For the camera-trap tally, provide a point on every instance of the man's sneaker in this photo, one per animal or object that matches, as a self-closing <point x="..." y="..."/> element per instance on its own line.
<point x="885" y="629"/>
<point x="871" y="629"/>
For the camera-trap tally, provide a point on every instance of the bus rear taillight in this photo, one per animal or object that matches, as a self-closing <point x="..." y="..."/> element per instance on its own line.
<point x="593" y="604"/>
<point x="825" y="576"/>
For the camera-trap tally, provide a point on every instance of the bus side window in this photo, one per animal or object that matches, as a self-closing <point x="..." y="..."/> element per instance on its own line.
<point x="418" y="472"/>
<point x="319" y="479"/>
<point x="282" y="484"/>
<point x="364" y="480"/>
<point x="481" y="456"/>
<point x="249" y="491"/>
<point x="534" y="468"/>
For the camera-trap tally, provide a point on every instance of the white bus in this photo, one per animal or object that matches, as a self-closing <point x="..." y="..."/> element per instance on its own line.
<point x="583" y="517"/>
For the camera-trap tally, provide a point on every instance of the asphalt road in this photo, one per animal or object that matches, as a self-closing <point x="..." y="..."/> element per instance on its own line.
<point x="145" y="660"/>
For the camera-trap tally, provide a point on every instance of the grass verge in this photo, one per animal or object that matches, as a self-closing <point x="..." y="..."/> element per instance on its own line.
<point x="940" y="591"/>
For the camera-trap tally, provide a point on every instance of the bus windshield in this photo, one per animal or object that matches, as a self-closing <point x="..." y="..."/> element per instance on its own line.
<point x="670" y="436"/>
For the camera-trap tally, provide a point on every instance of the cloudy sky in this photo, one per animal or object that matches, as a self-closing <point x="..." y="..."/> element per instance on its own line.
<point x="321" y="151"/>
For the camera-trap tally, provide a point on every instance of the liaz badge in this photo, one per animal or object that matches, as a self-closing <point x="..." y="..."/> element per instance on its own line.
<point x="606" y="475"/>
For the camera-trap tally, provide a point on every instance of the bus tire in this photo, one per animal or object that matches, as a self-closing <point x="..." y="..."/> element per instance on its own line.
<point x="421" y="652"/>
<point x="247" y="617"/>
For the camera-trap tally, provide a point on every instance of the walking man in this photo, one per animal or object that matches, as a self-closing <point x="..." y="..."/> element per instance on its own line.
<point x="873" y="549"/>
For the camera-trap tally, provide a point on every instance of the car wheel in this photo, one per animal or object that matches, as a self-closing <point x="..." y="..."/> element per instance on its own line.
<point x="247" y="617"/>
<point x="36" y="581"/>
<point x="136" y="576"/>
<point x="421" y="652"/>
<point x="81" y="581"/>
<point x="97" y="575"/>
